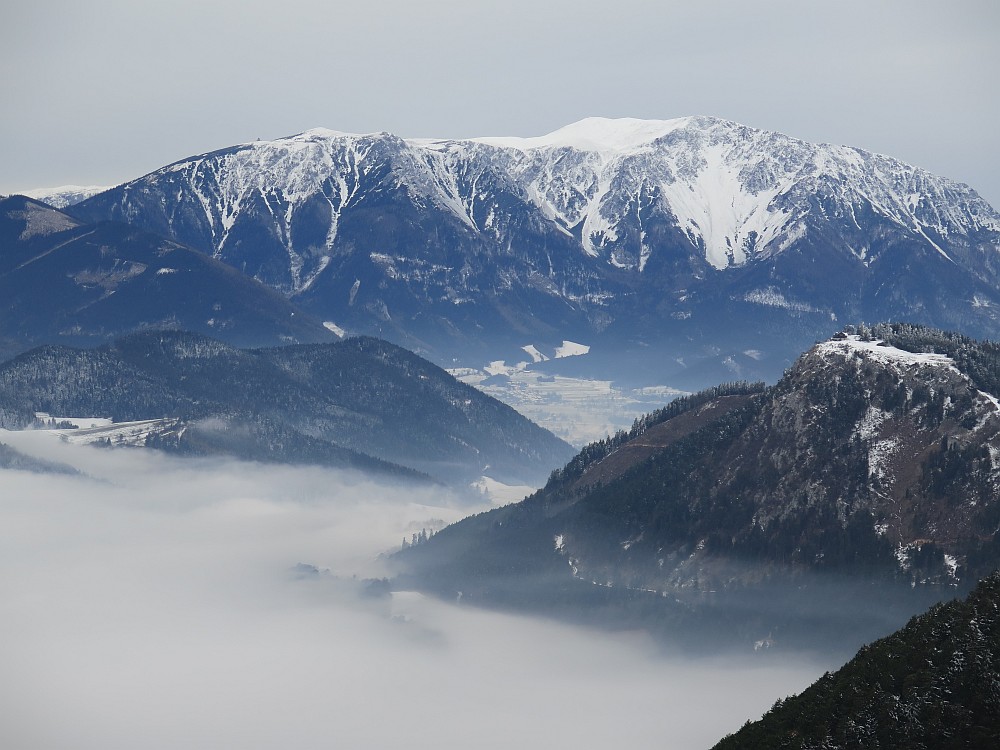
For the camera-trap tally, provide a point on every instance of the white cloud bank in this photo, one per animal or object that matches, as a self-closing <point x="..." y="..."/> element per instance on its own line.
<point x="151" y="606"/>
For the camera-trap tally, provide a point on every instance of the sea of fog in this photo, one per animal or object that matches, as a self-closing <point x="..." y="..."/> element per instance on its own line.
<point x="153" y="602"/>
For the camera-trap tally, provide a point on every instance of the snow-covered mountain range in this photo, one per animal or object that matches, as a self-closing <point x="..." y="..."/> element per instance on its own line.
<point x="65" y="195"/>
<point x="605" y="229"/>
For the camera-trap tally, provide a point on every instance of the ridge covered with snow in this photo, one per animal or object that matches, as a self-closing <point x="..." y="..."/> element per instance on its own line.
<point x="602" y="222"/>
<point x="65" y="195"/>
<point x="598" y="134"/>
<point x="853" y="345"/>
<point x="734" y="192"/>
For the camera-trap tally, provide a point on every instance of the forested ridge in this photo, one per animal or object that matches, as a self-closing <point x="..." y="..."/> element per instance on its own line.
<point x="361" y="401"/>
<point x="853" y="493"/>
<point x="932" y="685"/>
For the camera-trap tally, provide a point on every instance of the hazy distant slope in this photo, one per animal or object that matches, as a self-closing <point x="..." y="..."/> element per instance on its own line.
<point x="326" y="403"/>
<point x="15" y="460"/>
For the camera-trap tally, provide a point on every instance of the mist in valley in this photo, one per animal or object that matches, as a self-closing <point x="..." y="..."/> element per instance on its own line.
<point x="152" y="602"/>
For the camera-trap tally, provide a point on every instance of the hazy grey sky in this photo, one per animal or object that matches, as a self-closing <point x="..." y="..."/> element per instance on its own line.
<point x="103" y="91"/>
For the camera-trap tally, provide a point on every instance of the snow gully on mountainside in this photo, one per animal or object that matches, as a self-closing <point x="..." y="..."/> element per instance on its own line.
<point x="731" y="189"/>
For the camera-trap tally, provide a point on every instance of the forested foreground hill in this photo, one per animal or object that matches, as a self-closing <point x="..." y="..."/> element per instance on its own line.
<point x="361" y="402"/>
<point x="822" y="511"/>
<point x="934" y="685"/>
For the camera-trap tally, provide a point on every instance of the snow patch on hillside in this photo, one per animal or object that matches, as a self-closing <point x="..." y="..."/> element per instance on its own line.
<point x="500" y="367"/>
<point x="571" y="349"/>
<point x="853" y="345"/>
<point x="41" y="222"/>
<point x="43" y="418"/>
<point x="869" y="424"/>
<point x="132" y="434"/>
<point x="536" y="356"/>
<point x="334" y="328"/>
<point x="499" y="493"/>
<point x="717" y="207"/>
<point x="879" y="454"/>
<point x="772" y="297"/>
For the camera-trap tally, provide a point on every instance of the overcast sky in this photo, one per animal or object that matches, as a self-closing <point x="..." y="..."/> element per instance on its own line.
<point x="101" y="91"/>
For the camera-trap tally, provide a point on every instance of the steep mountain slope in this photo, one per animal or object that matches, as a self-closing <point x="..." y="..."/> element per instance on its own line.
<point x="68" y="282"/>
<point x="615" y="232"/>
<point x="868" y="474"/>
<point x="360" y="402"/>
<point x="934" y="684"/>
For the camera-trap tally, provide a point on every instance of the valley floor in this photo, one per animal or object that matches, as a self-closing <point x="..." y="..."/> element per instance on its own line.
<point x="578" y="410"/>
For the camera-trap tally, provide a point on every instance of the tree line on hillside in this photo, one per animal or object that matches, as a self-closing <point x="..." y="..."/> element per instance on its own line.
<point x="600" y="449"/>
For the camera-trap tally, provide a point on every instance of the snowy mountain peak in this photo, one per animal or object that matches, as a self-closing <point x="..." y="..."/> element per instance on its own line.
<point x="733" y="192"/>
<point x="581" y="217"/>
<point x="596" y="134"/>
<point x="319" y="135"/>
<point x="853" y="347"/>
<point x="307" y="136"/>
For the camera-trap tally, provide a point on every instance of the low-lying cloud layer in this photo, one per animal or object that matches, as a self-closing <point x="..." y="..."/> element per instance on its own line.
<point x="152" y="604"/>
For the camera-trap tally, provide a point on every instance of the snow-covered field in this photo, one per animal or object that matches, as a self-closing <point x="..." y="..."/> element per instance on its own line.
<point x="91" y="430"/>
<point x="578" y="410"/>
<point x="499" y="493"/>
